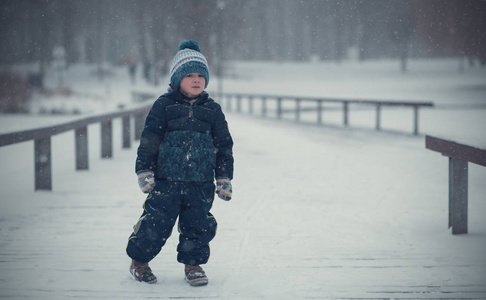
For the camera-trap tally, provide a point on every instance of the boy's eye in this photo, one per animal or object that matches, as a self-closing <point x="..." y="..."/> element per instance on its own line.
<point x="192" y="75"/>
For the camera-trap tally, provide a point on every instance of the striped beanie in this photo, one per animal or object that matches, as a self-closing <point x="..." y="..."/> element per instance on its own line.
<point x="188" y="59"/>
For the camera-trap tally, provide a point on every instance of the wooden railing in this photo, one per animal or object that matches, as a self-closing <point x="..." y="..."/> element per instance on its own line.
<point x="459" y="156"/>
<point x="42" y="140"/>
<point x="318" y="106"/>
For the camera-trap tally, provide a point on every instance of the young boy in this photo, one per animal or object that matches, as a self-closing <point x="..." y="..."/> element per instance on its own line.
<point x="184" y="146"/>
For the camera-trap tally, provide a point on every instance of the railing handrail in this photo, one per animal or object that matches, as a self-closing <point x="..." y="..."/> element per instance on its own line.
<point x="456" y="150"/>
<point x="459" y="157"/>
<point x="335" y="100"/>
<point x="319" y="106"/>
<point x="42" y="139"/>
<point x="46" y="131"/>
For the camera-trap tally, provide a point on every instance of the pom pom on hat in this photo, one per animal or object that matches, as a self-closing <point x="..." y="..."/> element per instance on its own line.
<point x="189" y="44"/>
<point x="188" y="59"/>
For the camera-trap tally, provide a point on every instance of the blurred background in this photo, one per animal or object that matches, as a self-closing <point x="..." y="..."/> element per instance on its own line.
<point x="145" y="34"/>
<point x="287" y="30"/>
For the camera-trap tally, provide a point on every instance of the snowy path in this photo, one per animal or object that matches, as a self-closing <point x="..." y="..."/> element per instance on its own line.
<point x="317" y="213"/>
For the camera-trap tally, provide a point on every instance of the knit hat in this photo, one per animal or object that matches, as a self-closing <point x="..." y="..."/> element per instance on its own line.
<point x="189" y="59"/>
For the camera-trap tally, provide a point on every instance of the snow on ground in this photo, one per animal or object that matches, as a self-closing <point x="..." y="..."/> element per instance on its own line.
<point x="318" y="212"/>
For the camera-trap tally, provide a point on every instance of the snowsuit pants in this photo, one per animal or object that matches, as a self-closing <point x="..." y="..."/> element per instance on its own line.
<point x="191" y="202"/>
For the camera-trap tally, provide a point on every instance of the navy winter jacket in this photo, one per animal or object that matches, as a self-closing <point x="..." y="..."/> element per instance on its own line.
<point x="186" y="142"/>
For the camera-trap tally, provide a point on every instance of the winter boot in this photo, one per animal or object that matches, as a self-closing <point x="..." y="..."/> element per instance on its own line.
<point x="142" y="272"/>
<point x="195" y="275"/>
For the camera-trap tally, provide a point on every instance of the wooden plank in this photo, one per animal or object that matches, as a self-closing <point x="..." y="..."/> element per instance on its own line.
<point x="456" y="150"/>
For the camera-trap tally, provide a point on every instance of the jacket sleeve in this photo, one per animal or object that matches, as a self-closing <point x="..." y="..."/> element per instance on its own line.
<point x="152" y="135"/>
<point x="224" y="146"/>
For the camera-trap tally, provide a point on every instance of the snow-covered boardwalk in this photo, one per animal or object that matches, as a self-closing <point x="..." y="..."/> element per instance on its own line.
<point x="317" y="213"/>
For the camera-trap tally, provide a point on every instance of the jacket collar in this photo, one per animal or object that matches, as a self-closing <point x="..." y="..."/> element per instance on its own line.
<point x="179" y="97"/>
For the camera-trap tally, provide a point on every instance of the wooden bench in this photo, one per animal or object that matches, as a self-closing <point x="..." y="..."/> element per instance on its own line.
<point x="459" y="156"/>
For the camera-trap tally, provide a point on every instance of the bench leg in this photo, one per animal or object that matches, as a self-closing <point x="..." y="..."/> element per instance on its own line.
<point x="458" y="182"/>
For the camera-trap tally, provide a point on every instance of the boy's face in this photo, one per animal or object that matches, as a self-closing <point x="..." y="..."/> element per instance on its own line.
<point x="192" y="84"/>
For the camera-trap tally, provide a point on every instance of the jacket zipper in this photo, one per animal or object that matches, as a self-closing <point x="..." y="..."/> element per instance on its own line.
<point x="188" y="155"/>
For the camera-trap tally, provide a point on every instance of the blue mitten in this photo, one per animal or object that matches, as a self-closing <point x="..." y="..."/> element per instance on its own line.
<point x="146" y="181"/>
<point x="224" y="189"/>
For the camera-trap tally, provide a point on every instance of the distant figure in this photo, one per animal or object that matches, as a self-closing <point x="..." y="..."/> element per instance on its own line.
<point x="59" y="63"/>
<point x="147" y="69"/>
<point x="184" y="147"/>
<point x="132" y="67"/>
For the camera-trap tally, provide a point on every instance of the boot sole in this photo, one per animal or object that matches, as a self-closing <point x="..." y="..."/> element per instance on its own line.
<point x="149" y="282"/>
<point x="197" y="282"/>
<point x="140" y="279"/>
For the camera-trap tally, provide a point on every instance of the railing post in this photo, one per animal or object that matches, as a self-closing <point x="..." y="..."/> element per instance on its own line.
<point x="238" y="104"/>
<point x="250" y="105"/>
<point x="228" y="103"/>
<point x="221" y="101"/>
<point x="43" y="164"/>
<point x="81" y="142"/>
<point x="378" y="116"/>
<point x="264" y="106"/>
<point x="106" y="139"/>
<point x="139" y="125"/>
<point x="458" y="181"/>
<point x="297" y="110"/>
<point x="345" y="113"/>
<point x="415" y="119"/>
<point x="279" y="108"/>
<point x="126" y="131"/>
<point x="319" y="112"/>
